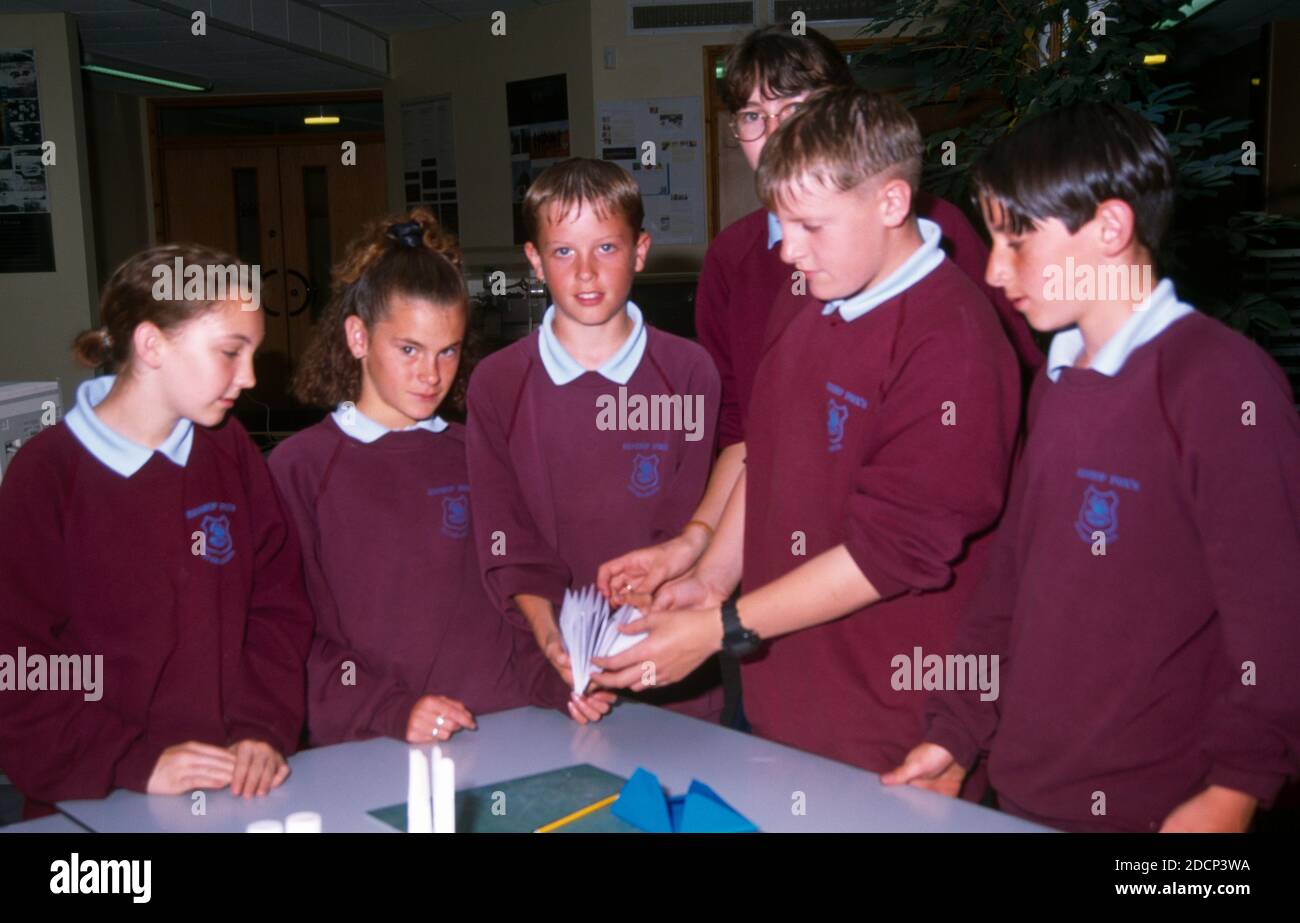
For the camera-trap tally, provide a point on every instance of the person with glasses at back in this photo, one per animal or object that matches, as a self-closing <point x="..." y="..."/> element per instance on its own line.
<point x="768" y="75"/>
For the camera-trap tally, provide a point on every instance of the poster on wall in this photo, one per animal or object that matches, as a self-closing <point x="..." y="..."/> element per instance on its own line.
<point x="26" y="232"/>
<point x="429" y="159"/>
<point x="537" y="112"/>
<point x="672" y="187"/>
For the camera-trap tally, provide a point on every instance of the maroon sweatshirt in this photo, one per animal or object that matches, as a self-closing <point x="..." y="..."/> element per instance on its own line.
<point x="195" y="647"/>
<point x="558" y="496"/>
<point x="742" y="276"/>
<point x="392" y="573"/>
<point x="848" y="445"/>
<point x="1123" y="673"/>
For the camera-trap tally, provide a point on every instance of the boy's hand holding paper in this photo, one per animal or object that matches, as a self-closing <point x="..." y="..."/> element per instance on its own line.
<point x="590" y="630"/>
<point x="675" y="644"/>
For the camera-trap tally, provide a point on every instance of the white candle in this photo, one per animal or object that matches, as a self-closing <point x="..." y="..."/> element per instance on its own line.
<point x="444" y="793"/>
<point x="265" y="826"/>
<point x="418" y="807"/>
<point x="302" y="822"/>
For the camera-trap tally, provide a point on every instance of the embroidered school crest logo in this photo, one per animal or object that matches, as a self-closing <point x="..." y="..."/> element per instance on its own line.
<point x="1098" y="514"/>
<point x="220" y="544"/>
<point x="836" y="414"/>
<point x="455" y="516"/>
<point x="645" y="476"/>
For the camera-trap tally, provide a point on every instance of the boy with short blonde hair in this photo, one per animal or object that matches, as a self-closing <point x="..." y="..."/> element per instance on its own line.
<point x="884" y="416"/>
<point x="561" y="482"/>
<point x="768" y="75"/>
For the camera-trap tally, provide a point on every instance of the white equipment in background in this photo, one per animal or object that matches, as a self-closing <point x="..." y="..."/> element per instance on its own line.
<point x="26" y="407"/>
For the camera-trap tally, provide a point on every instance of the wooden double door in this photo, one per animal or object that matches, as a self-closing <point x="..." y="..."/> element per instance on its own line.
<point x="289" y="208"/>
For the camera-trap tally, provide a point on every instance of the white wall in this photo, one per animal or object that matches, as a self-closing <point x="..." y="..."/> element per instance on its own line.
<point x="473" y="66"/>
<point x="571" y="37"/>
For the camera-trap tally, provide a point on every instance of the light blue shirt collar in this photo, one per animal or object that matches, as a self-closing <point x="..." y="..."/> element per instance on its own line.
<point x="111" y="447"/>
<point x="917" y="266"/>
<point x="563" y="368"/>
<point x="1149" y="320"/>
<point x="366" y="429"/>
<point x="774" y="232"/>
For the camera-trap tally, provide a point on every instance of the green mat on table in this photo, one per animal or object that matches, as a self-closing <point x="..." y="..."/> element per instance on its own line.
<point x="531" y="802"/>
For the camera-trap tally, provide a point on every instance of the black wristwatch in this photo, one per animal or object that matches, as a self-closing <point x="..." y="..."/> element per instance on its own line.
<point x="737" y="640"/>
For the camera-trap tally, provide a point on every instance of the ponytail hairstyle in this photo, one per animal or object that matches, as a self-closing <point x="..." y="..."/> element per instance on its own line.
<point x="129" y="300"/>
<point x="406" y="255"/>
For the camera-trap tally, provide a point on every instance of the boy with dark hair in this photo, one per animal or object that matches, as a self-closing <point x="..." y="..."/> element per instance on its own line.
<point x="1143" y="584"/>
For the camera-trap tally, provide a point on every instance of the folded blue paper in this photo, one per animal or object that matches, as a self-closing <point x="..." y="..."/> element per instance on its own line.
<point x="643" y="804"/>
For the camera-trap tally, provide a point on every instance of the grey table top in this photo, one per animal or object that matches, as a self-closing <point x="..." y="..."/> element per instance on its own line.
<point x="55" y="823"/>
<point x="761" y="779"/>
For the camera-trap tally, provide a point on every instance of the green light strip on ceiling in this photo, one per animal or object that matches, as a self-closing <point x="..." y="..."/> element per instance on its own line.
<point x="143" y="78"/>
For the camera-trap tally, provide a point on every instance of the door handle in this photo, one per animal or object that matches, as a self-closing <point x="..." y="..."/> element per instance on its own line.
<point x="309" y="293"/>
<point x="270" y="311"/>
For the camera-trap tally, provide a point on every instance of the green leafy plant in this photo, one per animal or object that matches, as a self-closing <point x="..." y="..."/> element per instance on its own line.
<point x="988" y="64"/>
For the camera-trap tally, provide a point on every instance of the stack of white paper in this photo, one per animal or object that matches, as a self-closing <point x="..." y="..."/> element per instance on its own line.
<point x="590" y="630"/>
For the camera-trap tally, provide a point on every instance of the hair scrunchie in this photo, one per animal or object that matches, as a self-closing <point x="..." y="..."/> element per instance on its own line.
<point x="409" y="233"/>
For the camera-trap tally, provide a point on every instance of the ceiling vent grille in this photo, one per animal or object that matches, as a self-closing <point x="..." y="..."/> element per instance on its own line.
<point x="829" y="10"/>
<point x="666" y="15"/>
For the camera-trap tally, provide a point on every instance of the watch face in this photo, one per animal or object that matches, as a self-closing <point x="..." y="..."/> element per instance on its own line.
<point x="738" y="641"/>
<point x="743" y="643"/>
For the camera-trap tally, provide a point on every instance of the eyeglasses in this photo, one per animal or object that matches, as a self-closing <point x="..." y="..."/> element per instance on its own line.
<point x="751" y="124"/>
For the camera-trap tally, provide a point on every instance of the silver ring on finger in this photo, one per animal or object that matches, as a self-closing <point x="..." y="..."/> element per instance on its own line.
<point x="440" y="721"/>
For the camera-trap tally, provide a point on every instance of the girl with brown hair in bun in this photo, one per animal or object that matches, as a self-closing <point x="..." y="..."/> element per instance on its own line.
<point x="407" y="644"/>
<point x="150" y="584"/>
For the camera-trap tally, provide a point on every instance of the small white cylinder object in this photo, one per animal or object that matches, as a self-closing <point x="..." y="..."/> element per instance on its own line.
<point x="444" y="793"/>
<point x="265" y="826"/>
<point x="302" y="822"/>
<point x="419" y="809"/>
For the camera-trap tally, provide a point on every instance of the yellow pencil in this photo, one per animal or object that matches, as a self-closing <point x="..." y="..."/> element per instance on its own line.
<point x="570" y="818"/>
